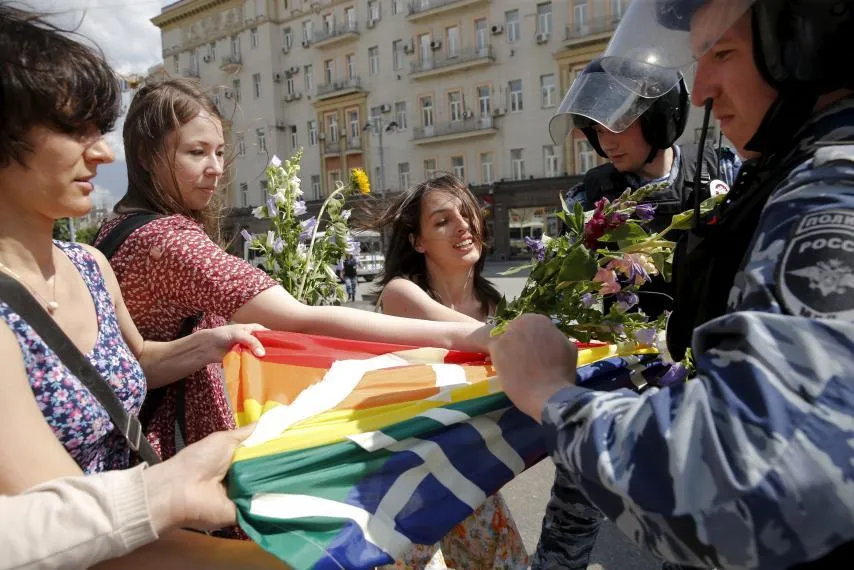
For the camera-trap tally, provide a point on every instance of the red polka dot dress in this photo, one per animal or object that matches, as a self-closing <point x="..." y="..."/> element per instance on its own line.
<point x="169" y="270"/>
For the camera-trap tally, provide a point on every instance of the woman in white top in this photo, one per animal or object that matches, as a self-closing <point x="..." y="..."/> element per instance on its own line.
<point x="434" y="271"/>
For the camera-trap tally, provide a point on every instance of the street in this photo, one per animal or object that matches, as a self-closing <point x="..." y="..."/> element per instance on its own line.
<point x="528" y="494"/>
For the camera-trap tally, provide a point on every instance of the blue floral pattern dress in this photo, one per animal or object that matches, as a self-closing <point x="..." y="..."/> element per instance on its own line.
<point x="77" y="419"/>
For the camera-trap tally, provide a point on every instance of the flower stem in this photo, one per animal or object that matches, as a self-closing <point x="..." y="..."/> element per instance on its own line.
<point x="313" y="238"/>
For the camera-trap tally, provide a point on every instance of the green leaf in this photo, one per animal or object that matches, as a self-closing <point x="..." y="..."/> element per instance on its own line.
<point x="627" y="234"/>
<point x="578" y="265"/>
<point x="515" y="270"/>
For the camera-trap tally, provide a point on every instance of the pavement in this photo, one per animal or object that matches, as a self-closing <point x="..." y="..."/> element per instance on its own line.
<point x="528" y="494"/>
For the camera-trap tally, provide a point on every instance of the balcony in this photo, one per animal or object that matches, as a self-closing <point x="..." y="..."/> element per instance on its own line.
<point x="420" y="9"/>
<point x="338" y="88"/>
<point x="331" y="147"/>
<point x="591" y="30"/>
<point x="354" y="145"/>
<point x="454" y="130"/>
<point x="231" y="63"/>
<point x="338" y="34"/>
<point x="191" y="72"/>
<point x="444" y="62"/>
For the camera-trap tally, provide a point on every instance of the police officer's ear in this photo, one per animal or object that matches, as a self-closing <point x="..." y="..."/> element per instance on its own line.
<point x="416" y="243"/>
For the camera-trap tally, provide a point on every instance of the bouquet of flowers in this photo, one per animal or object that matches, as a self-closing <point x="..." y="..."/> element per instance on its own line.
<point x="294" y="252"/>
<point x="587" y="280"/>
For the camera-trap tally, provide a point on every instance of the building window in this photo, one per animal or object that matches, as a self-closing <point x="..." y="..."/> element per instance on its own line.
<point x="617" y="9"/>
<point x="374" y="60"/>
<point x="241" y="145"/>
<point x="312" y="132"/>
<point x="547" y="89"/>
<point x="550" y="161"/>
<point x="579" y="16"/>
<point x="512" y="24"/>
<point x="290" y="84"/>
<point x="355" y="127"/>
<point x="294" y="142"/>
<point x="351" y="66"/>
<point x="481" y="35"/>
<point x="453" y="34"/>
<point x="516" y="95"/>
<point x="429" y="167"/>
<point x="374" y="10"/>
<point x="288" y="37"/>
<point x="307" y="32"/>
<point x="544" y="18"/>
<point x="334" y="177"/>
<point x="400" y="115"/>
<point x="235" y="87"/>
<point x="308" y="78"/>
<point x="212" y="51"/>
<point x="398" y="55"/>
<point x="253" y="38"/>
<point x="332" y="127"/>
<point x="455" y="105"/>
<point x="350" y="17"/>
<point x="585" y="156"/>
<point x="396" y="7"/>
<point x="256" y="85"/>
<point x="374" y="114"/>
<point x="176" y="65"/>
<point x="403" y="174"/>
<point x="484" y="104"/>
<point x="486" y="172"/>
<point x="517" y="163"/>
<point x="244" y="194"/>
<point x="328" y="70"/>
<point x="315" y="186"/>
<point x="427" y="111"/>
<point x="458" y="167"/>
<point x="261" y="137"/>
<point x="235" y="46"/>
<point x="328" y="23"/>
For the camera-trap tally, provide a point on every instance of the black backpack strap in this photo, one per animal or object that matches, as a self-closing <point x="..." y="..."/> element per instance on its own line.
<point x="111" y="243"/>
<point x="22" y="302"/>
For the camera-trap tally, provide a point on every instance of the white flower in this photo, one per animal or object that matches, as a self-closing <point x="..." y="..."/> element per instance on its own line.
<point x="258" y="212"/>
<point x="294" y="186"/>
<point x="302" y="250"/>
<point x="280" y="197"/>
<point x="271" y="239"/>
<point x="346" y="214"/>
<point x="276" y="161"/>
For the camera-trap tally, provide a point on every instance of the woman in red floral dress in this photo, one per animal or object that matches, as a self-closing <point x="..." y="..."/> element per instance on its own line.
<point x="171" y="268"/>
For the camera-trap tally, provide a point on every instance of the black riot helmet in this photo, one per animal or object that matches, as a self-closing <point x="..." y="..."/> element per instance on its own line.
<point x="598" y="97"/>
<point x="801" y="47"/>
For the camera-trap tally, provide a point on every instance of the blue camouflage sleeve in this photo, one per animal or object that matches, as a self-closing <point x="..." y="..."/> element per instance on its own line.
<point x="748" y="465"/>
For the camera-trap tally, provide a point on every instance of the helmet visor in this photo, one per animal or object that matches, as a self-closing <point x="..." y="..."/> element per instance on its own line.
<point x="669" y="34"/>
<point x="597" y="98"/>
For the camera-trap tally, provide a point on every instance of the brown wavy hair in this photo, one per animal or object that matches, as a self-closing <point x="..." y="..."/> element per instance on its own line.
<point x="404" y="219"/>
<point x="157" y="110"/>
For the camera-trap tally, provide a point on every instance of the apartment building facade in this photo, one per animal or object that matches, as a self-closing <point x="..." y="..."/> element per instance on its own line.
<point x="402" y="88"/>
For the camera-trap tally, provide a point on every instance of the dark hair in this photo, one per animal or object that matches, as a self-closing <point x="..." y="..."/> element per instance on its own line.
<point x="404" y="217"/>
<point x="157" y="110"/>
<point x="50" y="80"/>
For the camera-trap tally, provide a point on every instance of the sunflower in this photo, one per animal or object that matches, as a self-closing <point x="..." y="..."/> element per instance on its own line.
<point x="359" y="181"/>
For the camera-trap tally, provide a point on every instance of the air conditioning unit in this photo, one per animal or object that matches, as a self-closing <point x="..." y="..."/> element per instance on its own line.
<point x="277" y="77"/>
<point x="207" y="59"/>
<point x="468" y="114"/>
<point x="294" y="69"/>
<point x="229" y="94"/>
<point x="297" y="96"/>
<point x="289" y="97"/>
<point x="286" y="49"/>
<point x="542" y="38"/>
<point x="321" y="137"/>
<point x="371" y="23"/>
<point x="306" y="43"/>
<point x="281" y="125"/>
<point x="498" y="112"/>
<point x="408" y="48"/>
<point x="497" y="29"/>
<point x="385" y="108"/>
<point x="436" y="44"/>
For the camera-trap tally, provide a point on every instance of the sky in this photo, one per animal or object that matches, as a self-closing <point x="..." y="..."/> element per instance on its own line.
<point x="131" y="43"/>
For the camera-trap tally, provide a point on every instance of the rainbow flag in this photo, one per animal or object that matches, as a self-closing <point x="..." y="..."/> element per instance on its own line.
<point x="362" y="448"/>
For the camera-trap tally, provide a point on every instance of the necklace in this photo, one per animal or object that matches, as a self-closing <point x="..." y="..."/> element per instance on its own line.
<point x="52" y="306"/>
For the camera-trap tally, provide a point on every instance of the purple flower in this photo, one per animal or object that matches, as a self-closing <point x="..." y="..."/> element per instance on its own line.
<point x="536" y="247"/>
<point x="675" y="375"/>
<point x="646" y="337"/>
<point x="272" y="210"/>
<point x="307" y="228"/>
<point x="645" y="212"/>
<point x="588" y="300"/>
<point x="246" y="235"/>
<point x="278" y="245"/>
<point x="299" y="208"/>
<point x="626" y="300"/>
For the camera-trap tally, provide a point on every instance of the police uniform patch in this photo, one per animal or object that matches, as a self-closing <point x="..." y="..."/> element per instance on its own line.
<point x="816" y="273"/>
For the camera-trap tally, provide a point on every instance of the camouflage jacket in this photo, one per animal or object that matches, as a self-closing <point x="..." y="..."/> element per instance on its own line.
<point x="750" y="464"/>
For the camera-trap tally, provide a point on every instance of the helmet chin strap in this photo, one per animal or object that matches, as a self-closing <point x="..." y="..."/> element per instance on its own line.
<point x="653" y="152"/>
<point x="698" y="172"/>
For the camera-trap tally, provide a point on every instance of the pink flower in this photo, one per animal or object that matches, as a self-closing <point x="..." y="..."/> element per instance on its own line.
<point x="635" y="266"/>
<point x="608" y="279"/>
